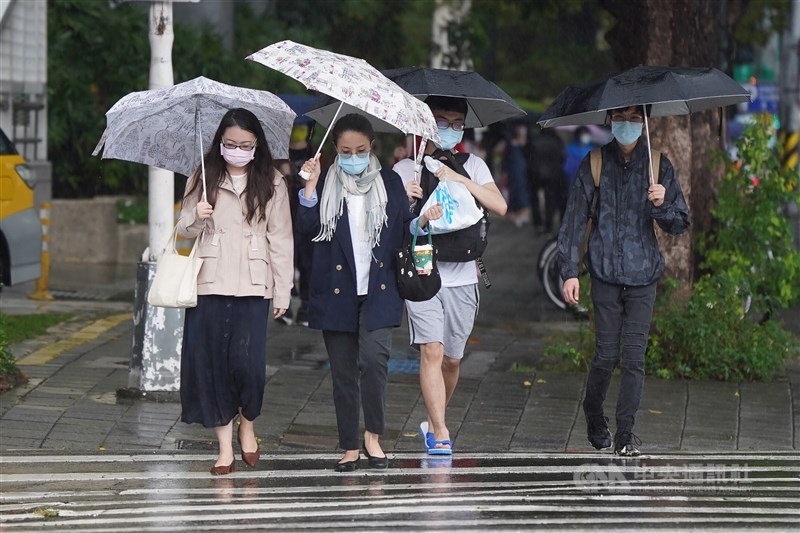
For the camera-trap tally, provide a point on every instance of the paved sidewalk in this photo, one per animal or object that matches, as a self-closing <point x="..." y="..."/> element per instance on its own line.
<point x="75" y="371"/>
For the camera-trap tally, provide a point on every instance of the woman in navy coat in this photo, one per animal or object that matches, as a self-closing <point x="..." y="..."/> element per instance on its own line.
<point x="358" y="216"/>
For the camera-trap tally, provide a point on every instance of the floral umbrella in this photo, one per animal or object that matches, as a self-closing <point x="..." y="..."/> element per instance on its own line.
<point x="355" y="83"/>
<point x="167" y="128"/>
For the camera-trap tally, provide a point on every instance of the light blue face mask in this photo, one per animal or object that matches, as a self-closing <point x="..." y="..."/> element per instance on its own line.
<point x="354" y="164"/>
<point x="450" y="138"/>
<point x="626" y="132"/>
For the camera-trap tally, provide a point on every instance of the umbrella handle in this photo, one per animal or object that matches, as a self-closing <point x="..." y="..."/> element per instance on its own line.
<point x="649" y="150"/>
<point x="202" y="154"/>
<point x="305" y="175"/>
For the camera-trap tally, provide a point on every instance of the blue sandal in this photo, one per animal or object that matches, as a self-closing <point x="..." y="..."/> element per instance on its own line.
<point x="433" y="450"/>
<point x="427" y="437"/>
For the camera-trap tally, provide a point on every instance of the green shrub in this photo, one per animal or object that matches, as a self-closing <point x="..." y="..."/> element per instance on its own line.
<point x="132" y="211"/>
<point x="8" y="365"/>
<point x="711" y="337"/>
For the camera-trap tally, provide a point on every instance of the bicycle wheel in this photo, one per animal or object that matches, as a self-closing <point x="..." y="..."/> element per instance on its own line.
<point x="549" y="248"/>
<point x="550" y="276"/>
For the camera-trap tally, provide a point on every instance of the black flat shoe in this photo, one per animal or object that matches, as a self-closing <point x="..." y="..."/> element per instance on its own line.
<point x="347" y="466"/>
<point x="376" y="462"/>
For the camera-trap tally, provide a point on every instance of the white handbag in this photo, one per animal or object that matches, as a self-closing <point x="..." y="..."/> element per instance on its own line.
<point x="175" y="282"/>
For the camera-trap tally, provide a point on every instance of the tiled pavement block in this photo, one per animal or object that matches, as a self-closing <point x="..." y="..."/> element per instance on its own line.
<point x="477" y="363"/>
<point x="19" y="443"/>
<point x="765" y="416"/>
<point x="660" y="420"/>
<point x="129" y="442"/>
<point x="25" y="433"/>
<point x="549" y="413"/>
<point x="31" y="414"/>
<point x="712" y="415"/>
<point x="303" y="441"/>
<point x="65" y="423"/>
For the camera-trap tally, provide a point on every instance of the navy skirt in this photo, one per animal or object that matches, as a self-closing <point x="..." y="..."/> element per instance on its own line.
<point x="223" y="359"/>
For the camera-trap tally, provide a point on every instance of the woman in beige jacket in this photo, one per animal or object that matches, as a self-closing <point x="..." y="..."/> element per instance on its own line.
<point x="245" y="231"/>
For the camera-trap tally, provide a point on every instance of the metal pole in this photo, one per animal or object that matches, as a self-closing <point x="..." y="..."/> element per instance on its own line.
<point x="161" y="183"/>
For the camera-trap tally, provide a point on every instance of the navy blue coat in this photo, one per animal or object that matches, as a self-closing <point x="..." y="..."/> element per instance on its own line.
<point x="333" y="302"/>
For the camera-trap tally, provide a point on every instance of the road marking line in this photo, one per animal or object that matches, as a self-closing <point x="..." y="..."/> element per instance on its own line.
<point x="89" y="333"/>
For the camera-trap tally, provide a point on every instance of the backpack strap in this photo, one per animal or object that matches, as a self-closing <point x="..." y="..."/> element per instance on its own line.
<point x="596" y="163"/>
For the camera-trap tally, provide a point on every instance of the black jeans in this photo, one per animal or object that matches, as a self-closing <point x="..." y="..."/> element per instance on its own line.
<point x="622" y="316"/>
<point x="359" y="368"/>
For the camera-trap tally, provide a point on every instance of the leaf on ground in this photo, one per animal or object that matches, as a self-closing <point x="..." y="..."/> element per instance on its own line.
<point x="655" y="411"/>
<point x="540" y="380"/>
<point x="526" y="383"/>
<point x="46" y="512"/>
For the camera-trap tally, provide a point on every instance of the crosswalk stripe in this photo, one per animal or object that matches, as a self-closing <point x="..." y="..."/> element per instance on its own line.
<point x="167" y="492"/>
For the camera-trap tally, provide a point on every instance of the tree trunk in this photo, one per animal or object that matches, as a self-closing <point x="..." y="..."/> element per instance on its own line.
<point x="677" y="33"/>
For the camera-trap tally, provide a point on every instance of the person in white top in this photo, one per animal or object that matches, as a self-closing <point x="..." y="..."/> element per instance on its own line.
<point x="441" y="326"/>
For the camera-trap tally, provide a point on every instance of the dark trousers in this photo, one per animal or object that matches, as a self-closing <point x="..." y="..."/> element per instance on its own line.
<point x="359" y="368"/>
<point x="622" y="317"/>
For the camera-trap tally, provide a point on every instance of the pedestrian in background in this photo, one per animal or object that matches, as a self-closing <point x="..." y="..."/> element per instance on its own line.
<point x="624" y="262"/>
<point x="546" y="173"/>
<point x="441" y="326"/>
<point x="358" y="215"/>
<point x="515" y="173"/>
<point x="245" y="231"/>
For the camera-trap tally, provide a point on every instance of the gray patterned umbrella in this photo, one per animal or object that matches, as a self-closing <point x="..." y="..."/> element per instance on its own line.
<point x="163" y="127"/>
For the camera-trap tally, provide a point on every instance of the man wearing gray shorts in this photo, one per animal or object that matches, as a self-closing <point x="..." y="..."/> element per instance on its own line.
<point x="441" y="326"/>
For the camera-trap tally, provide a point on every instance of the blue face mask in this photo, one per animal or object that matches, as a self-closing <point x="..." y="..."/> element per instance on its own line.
<point x="354" y="164"/>
<point x="626" y="132"/>
<point x="450" y="138"/>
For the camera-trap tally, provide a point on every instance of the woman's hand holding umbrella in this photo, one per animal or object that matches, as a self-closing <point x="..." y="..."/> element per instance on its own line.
<point x="312" y="169"/>
<point x="203" y="210"/>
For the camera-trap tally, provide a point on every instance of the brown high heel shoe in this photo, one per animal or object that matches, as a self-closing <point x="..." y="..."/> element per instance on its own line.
<point x="249" y="458"/>
<point x="224" y="470"/>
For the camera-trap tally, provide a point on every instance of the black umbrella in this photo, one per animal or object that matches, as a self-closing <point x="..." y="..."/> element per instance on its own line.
<point x="669" y="90"/>
<point x="486" y="102"/>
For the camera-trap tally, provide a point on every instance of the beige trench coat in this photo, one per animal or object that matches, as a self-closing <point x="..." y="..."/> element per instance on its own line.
<point x="242" y="258"/>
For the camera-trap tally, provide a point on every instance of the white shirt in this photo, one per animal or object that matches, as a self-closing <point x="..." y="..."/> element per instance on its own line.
<point x="361" y="250"/>
<point x="454" y="274"/>
<point x="239" y="182"/>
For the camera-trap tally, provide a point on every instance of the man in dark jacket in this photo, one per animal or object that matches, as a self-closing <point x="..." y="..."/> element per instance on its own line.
<point x="624" y="262"/>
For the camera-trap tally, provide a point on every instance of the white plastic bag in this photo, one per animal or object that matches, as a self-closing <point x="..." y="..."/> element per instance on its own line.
<point x="460" y="209"/>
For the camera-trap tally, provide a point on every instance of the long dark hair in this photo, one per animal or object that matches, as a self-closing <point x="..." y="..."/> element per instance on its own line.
<point x="260" y="173"/>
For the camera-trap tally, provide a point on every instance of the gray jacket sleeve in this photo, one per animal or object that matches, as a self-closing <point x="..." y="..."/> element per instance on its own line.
<point x="572" y="235"/>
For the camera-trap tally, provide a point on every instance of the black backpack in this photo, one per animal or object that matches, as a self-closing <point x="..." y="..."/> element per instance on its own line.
<point x="463" y="245"/>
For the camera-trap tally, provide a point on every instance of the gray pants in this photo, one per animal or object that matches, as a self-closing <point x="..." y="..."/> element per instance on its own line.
<point x="622" y="316"/>
<point x="359" y="368"/>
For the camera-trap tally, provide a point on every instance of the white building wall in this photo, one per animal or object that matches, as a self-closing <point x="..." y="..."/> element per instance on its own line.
<point x="23" y="75"/>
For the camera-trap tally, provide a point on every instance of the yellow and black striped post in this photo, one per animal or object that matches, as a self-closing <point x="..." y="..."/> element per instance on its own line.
<point x="790" y="154"/>
<point x="41" y="291"/>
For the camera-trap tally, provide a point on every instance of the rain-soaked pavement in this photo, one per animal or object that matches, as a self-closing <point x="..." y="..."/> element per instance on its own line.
<point x="77" y="454"/>
<point x="500" y="491"/>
